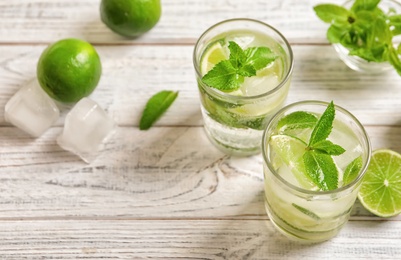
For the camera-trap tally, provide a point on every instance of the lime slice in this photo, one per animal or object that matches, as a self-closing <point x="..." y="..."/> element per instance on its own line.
<point x="291" y="149"/>
<point x="380" y="192"/>
<point x="213" y="55"/>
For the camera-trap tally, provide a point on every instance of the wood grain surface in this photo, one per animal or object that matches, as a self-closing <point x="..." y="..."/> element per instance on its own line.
<point x="167" y="193"/>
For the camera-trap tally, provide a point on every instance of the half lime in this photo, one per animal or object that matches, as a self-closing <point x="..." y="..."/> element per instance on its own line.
<point x="380" y="192"/>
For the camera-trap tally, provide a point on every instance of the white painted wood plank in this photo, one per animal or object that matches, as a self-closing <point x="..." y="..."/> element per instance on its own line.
<point x="161" y="173"/>
<point x="181" y="22"/>
<point x="189" y="239"/>
<point x="167" y="193"/>
<point x="132" y="74"/>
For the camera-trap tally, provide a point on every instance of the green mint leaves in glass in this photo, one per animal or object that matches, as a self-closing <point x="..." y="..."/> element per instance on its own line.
<point x="229" y="75"/>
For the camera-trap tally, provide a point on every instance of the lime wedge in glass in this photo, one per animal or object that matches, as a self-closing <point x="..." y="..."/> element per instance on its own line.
<point x="213" y="55"/>
<point x="291" y="149"/>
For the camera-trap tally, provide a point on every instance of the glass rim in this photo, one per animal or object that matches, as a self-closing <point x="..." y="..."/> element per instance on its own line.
<point x="311" y="192"/>
<point x="224" y="95"/>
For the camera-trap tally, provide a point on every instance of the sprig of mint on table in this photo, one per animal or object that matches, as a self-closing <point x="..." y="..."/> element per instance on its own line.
<point x="227" y="75"/>
<point x="318" y="160"/>
<point x="366" y="30"/>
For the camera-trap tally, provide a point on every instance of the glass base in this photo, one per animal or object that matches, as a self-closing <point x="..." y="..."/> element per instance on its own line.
<point x="230" y="140"/>
<point x="299" y="235"/>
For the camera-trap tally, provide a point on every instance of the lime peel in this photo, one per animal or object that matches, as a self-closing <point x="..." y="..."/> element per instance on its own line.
<point x="69" y="70"/>
<point x="130" y="18"/>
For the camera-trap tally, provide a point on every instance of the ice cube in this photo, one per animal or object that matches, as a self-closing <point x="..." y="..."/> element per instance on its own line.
<point x="254" y="86"/>
<point x="244" y="41"/>
<point x="31" y="109"/>
<point x="86" y="129"/>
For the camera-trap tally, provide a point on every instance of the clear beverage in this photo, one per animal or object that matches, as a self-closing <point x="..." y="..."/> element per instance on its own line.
<point x="297" y="207"/>
<point x="234" y="121"/>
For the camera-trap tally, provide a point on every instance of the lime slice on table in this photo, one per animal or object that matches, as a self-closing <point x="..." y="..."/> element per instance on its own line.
<point x="380" y="192"/>
<point x="290" y="150"/>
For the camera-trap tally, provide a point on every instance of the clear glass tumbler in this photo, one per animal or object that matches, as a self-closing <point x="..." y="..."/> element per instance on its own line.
<point x="234" y="121"/>
<point x="301" y="211"/>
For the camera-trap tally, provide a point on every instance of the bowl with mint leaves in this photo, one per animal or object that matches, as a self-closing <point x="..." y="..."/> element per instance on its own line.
<point x="366" y="34"/>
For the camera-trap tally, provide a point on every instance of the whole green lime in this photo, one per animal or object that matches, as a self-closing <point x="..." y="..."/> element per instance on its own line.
<point x="130" y="18"/>
<point x="69" y="70"/>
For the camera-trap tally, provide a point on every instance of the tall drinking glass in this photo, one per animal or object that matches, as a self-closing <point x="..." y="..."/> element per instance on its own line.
<point x="295" y="205"/>
<point x="234" y="121"/>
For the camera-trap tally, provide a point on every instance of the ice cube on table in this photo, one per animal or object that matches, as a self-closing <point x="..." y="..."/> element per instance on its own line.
<point x="31" y="109"/>
<point x="86" y="129"/>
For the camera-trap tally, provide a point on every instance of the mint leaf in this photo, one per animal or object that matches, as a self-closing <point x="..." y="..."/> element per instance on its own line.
<point x="237" y="55"/>
<point x="259" y="57"/>
<point x="395" y="24"/>
<point x="364" y="5"/>
<point x="335" y="33"/>
<point x="394" y="60"/>
<point x="306" y="211"/>
<point x="155" y="107"/>
<point x="223" y="76"/>
<point x="323" y="127"/>
<point x="297" y="120"/>
<point x="321" y="169"/>
<point x="327" y="147"/>
<point x="331" y="12"/>
<point x="352" y="170"/>
<point x="228" y="75"/>
<point x="375" y="55"/>
<point x="381" y="32"/>
<point x="319" y="165"/>
<point x="247" y="71"/>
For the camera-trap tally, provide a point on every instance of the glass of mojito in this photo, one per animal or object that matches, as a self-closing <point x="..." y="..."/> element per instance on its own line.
<point x="315" y="155"/>
<point x="243" y="70"/>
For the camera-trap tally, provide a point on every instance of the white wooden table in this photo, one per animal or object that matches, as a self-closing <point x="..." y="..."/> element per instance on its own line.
<point x="167" y="193"/>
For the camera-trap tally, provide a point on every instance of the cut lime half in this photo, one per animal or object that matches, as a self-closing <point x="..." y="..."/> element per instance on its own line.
<point x="380" y="192"/>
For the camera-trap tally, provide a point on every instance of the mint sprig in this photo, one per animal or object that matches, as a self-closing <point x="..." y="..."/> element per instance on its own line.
<point x="320" y="167"/>
<point x="365" y="29"/>
<point x="319" y="164"/>
<point x="155" y="107"/>
<point x="317" y="157"/>
<point x="228" y="75"/>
